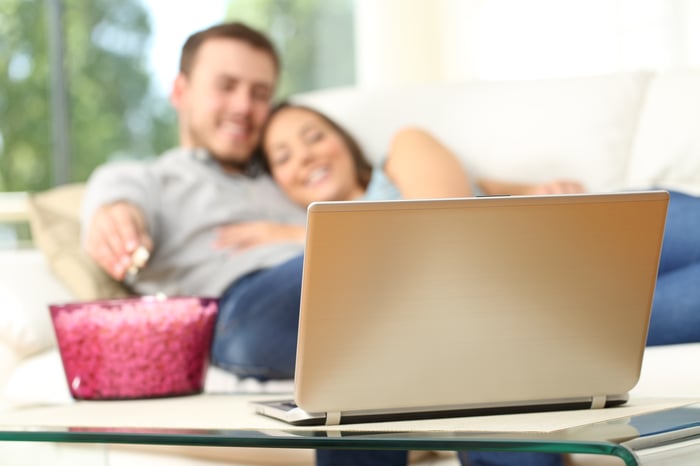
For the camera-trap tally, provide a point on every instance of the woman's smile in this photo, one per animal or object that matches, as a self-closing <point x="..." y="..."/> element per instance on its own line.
<point x="317" y="176"/>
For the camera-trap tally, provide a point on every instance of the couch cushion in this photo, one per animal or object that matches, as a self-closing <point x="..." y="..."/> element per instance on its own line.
<point x="8" y="361"/>
<point x="669" y="371"/>
<point x="525" y="131"/>
<point x="37" y="380"/>
<point x="666" y="151"/>
<point x="55" y="223"/>
<point x="27" y="287"/>
<point x="40" y="379"/>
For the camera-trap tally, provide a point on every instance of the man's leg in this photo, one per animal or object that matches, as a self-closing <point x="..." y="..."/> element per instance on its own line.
<point x="361" y="458"/>
<point x="257" y="323"/>
<point x="400" y="458"/>
<point x="675" y="316"/>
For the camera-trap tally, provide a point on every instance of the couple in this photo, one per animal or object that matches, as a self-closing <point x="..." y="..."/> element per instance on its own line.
<point x="216" y="226"/>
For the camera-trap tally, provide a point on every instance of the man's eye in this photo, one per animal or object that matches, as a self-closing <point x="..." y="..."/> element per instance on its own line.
<point x="262" y="94"/>
<point x="225" y="86"/>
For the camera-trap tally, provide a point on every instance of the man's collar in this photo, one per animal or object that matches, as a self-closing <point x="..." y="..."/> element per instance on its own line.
<point x="252" y="170"/>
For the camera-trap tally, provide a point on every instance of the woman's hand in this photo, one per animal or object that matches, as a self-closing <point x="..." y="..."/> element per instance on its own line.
<point x="561" y="186"/>
<point x="556" y="187"/>
<point x="247" y="235"/>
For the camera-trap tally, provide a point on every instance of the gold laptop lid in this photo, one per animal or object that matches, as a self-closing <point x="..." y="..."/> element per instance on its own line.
<point x="481" y="301"/>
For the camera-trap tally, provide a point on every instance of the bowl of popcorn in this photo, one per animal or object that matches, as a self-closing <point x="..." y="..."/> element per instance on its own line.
<point x="143" y="347"/>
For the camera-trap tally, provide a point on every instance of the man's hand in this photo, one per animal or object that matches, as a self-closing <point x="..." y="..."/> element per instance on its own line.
<point x="556" y="187"/>
<point x="250" y="234"/>
<point x="115" y="232"/>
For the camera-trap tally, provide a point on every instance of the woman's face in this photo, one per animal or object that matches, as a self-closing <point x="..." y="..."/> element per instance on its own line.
<point x="308" y="159"/>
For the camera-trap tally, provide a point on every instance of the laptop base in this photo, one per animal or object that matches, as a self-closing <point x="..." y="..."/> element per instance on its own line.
<point x="288" y="411"/>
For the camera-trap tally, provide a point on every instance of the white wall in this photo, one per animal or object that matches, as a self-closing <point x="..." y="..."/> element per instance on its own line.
<point x="395" y="41"/>
<point x="410" y="41"/>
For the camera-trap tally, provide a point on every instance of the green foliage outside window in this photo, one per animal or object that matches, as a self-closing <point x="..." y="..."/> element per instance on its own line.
<point x="314" y="38"/>
<point x="112" y="110"/>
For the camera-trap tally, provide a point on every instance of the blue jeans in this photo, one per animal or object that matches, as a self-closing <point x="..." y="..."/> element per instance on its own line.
<point x="400" y="458"/>
<point x="256" y="327"/>
<point x="675" y="316"/>
<point x="259" y="314"/>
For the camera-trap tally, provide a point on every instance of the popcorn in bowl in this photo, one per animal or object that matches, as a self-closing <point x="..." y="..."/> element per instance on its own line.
<point x="135" y="347"/>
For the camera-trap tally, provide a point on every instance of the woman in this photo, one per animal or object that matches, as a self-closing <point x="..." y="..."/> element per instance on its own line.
<point x="313" y="159"/>
<point x="300" y="142"/>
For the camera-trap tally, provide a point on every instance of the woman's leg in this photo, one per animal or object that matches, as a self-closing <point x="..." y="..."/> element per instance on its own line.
<point x="675" y="316"/>
<point x="257" y="323"/>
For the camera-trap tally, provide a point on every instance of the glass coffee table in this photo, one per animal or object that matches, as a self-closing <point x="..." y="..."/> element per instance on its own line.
<point x="671" y="432"/>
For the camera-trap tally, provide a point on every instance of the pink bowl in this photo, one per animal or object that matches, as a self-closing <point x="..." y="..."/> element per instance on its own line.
<point x="135" y="347"/>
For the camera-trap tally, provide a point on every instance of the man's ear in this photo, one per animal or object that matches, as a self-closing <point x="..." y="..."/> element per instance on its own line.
<point x="179" y="91"/>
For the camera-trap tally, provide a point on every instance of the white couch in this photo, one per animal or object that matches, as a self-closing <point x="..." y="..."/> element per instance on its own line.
<point x="628" y="130"/>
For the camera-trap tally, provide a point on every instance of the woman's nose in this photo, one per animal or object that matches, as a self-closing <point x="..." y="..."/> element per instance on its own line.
<point x="307" y="156"/>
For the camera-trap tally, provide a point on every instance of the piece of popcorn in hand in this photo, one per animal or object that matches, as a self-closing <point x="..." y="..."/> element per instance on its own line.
<point x="138" y="260"/>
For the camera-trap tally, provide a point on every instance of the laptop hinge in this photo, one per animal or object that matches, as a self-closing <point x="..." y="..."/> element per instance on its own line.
<point x="598" y="401"/>
<point x="333" y="418"/>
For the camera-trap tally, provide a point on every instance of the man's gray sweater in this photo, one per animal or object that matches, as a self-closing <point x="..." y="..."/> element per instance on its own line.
<point x="186" y="196"/>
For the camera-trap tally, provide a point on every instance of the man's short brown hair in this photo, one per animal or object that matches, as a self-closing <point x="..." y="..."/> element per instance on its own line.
<point x="233" y="30"/>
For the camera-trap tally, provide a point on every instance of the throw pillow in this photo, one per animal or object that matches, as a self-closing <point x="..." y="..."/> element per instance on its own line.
<point x="54" y="217"/>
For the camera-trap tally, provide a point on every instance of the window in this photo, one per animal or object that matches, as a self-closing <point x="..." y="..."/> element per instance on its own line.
<point x="84" y="82"/>
<point x="92" y="78"/>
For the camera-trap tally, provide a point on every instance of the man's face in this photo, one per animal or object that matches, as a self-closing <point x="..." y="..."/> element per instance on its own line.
<point x="225" y="99"/>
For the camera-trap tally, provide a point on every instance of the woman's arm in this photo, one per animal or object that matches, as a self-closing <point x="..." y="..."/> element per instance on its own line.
<point x="422" y="167"/>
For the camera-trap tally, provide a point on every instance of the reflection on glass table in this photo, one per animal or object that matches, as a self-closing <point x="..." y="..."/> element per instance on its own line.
<point x="642" y="439"/>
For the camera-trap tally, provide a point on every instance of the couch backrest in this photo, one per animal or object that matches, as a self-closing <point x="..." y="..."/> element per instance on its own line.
<point x="666" y="151"/>
<point x="527" y="131"/>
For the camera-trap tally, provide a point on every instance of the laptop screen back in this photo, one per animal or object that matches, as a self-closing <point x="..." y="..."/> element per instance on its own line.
<point x="475" y="301"/>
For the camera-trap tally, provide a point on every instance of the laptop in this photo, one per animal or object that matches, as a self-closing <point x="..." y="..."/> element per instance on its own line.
<point x="419" y="309"/>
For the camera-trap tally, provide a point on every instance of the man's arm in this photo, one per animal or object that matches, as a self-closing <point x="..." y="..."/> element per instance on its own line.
<point x="113" y="236"/>
<point x="116" y="214"/>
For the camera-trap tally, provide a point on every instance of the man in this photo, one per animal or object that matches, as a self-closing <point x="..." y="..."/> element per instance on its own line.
<point x="184" y="206"/>
<point x="177" y="206"/>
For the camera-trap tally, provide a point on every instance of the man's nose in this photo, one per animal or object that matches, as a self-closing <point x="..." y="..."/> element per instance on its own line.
<point x="241" y="101"/>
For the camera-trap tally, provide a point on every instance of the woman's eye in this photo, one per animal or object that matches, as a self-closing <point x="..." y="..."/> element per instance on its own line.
<point x="314" y="136"/>
<point x="280" y="158"/>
